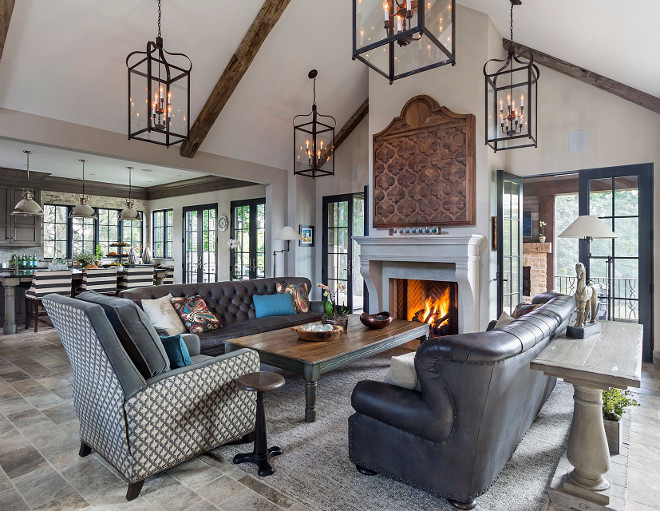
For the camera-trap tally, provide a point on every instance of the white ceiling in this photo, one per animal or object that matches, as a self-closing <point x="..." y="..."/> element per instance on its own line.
<point x="64" y="59"/>
<point x="63" y="163"/>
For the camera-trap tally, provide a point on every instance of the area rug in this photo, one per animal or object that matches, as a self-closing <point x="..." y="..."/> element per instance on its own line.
<point x="315" y="470"/>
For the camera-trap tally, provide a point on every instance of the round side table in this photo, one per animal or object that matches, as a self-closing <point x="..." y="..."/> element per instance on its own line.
<point x="260" y="382"/>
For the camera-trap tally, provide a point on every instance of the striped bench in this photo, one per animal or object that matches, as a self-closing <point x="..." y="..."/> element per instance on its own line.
<point x="139" y="276"/>
<point x="100" y="280"/>
<point x="44" y="283"/>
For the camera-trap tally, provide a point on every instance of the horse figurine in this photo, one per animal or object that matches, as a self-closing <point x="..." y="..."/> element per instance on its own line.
<point x="585" y="294"/>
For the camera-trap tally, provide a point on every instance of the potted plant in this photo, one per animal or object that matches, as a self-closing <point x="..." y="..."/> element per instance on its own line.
<point x="84" y="259"/>
<point x="615" y="402"/>
<point x="542" y="225"/>
<point x="334" y="314"/>
<point x="99" y="255"/>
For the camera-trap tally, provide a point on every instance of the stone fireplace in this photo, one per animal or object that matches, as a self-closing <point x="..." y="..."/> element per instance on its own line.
<point x="428" y="301"/>
<point x="444" y="258"/>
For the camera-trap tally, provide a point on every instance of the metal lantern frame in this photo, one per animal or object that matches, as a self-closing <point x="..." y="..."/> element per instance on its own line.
<point x="515" y="65"/>
<point x="154" y="59"/>
<point x="406" y="35"/>
<point x="314" y="125"/>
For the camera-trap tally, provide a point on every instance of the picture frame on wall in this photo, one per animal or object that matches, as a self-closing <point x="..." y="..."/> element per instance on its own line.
<point x="307" y="234"/>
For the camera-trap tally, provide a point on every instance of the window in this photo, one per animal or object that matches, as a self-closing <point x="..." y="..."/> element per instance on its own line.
<point x="162" y="233"/>
<point x="56" y="233"/>
<point x="108" y="229"/>
<point x="83" y="235"/>
<point x="131" y="232"/>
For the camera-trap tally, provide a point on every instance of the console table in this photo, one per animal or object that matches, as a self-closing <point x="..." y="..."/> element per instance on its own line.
<point x="611" y="358"/>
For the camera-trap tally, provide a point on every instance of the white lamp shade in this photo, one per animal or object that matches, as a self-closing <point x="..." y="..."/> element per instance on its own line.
<point x="588" y="226"/>
<point x="129" y="213"/>
<point x="288" y="233"/>
<point x="83" y="210"/>
<point x="27" y="206"/>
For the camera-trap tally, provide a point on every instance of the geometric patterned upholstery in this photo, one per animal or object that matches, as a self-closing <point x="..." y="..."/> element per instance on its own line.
<point x="172" y="418"/>
<point x="45" y="282"/>
<point x="139" y="276"/>
<point x="101" y="280"/>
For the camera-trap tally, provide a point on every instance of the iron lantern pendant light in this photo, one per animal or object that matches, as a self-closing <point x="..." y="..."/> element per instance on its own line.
<point x="129" y="213"/>
<point x="313" y="141"/>
<point x="158" y="94"/>
<point x="398" y="38"/>
<point x="27" y="206"/>
<point x="82" y="209"/>
<point x="511" y="99"/>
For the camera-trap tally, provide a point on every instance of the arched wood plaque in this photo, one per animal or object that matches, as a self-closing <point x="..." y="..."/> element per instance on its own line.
<point x="424" y="167"/>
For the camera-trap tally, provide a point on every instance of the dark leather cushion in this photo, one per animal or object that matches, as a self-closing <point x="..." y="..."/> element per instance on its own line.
<point x="135" y="332"/>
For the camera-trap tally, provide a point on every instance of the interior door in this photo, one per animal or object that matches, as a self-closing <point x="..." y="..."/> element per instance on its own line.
<point x="248" y="227"/>
<point x="509" y="241"/>
<point x="200" y="251"/>
<point x="343" y="216"/>
<point x="622" y="267"/>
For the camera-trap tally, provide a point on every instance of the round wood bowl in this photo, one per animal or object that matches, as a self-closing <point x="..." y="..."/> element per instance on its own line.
<point x="376" y="321"/>
<point x="330" y="335"/>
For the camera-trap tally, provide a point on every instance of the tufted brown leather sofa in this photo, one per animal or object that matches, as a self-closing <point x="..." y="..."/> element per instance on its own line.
<point x="231" y="303"/>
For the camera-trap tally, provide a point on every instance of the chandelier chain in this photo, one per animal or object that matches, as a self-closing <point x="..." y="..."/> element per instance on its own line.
<point x="511" y="17"/>
<point x="159" y="18"/>
<point x="315" y="91"/>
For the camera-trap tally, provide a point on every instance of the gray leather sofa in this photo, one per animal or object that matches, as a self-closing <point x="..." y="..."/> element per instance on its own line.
<point x="231" y="303"/>
<point x="478" y="398"/>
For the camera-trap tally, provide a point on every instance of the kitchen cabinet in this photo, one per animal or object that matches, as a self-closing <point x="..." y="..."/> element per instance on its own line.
<point x="18" y="230"/>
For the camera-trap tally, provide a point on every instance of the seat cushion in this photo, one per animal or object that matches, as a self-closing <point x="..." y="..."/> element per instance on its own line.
<point x="195" y="315"/>
<point x="299" y="293"/>
<point x="135" y="332"/>
<point x="162" y="315"/>
<point x="273" y="305"/>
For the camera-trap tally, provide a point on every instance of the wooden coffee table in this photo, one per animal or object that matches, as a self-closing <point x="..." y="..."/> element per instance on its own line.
<point x="283" y="349"/>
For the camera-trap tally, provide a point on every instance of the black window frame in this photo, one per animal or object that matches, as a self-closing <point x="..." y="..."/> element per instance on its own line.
<point x="162" y="236"/>
<point x="68" y="231"/>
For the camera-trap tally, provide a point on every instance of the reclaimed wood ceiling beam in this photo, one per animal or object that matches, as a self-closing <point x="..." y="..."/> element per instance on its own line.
<point x="6" y="8"/>
<point x="239" y="63"/>
<point x="347" y="129"/>
<point x="584" y="75"/>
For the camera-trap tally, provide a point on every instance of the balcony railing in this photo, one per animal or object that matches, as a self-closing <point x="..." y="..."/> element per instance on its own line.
<point x="624" y="291"/>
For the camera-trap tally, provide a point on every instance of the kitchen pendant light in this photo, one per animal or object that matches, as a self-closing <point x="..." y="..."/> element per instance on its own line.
<point x="129" y="213"/>
<point x="82" y="209"/>
<point x="27" y="206"/>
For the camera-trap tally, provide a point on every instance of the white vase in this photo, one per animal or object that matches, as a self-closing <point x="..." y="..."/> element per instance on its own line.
<point x="542" y="238"/>
<point x="147" y="255"/>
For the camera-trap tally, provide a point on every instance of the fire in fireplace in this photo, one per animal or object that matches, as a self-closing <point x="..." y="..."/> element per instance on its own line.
<point x="428" y="301"/>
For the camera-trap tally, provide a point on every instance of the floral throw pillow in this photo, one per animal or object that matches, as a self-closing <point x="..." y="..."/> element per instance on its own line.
<point x="299" y="293"/>
<point x="523" y="308"/>
<point x="195" y="314"/>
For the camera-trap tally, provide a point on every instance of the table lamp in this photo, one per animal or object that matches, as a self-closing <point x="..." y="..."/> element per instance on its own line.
<point x="287" y="234"/>
<point x="589" y="228"/>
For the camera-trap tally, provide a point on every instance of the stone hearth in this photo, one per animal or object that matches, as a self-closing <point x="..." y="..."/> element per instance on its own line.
<point x="424" y="257"/>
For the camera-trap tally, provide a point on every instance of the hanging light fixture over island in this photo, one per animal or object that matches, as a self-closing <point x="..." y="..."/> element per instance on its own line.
<point x="27" y="206"/>
<point x="82" y="209"/>
<point x="129" y="213"/>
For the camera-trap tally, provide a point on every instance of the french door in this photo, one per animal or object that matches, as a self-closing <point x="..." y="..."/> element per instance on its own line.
<point x="343" y="217"/>
<point x="248" y="227"/>
<point x="622" y="198"/>
<point x="509" y="241"/>
<point x="200" y="248"/>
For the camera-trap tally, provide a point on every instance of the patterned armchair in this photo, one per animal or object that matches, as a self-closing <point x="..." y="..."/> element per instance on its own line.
<point x="145" y="426"/>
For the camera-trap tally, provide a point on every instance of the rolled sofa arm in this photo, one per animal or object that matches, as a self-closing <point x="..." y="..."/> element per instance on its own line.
<point x="192" y="343"/>
<point x="316" y="306"/>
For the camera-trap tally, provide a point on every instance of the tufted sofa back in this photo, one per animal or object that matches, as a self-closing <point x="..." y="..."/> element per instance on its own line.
<point x="228" y="301"/>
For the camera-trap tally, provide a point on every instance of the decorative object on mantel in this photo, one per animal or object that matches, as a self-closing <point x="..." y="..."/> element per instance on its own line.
<point x="313" y="141"/>
<point x="542" y="225"/>
<point x="27" y="206"/>
<point x="82" y="209"/>
<point x="508" y="127"/>
<point x="376" y="321"/>
<point x="589" y="228"/>
<point x="162" y="116"/>
<point x="334" y="314"/>
<point x="424" y="168"/>
<point x="288" y="234"/>
<point x="129" y="213"/>
<point x="417" y="230"/>
<point x="423" y="33"/>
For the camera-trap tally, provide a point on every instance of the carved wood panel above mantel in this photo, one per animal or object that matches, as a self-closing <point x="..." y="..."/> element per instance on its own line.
<point x="424" y="167"/>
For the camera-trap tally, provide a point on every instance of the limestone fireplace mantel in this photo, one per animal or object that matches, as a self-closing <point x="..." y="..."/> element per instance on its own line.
<point x="452" y="258"/>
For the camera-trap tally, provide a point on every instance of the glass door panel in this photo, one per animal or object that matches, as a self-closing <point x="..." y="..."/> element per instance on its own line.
<point x="200" y="250"/>
<point x="190" y="252"/>
<point x="248" y="220"/>
<point x="509" y="242"/>
<point x="356" y="277"/>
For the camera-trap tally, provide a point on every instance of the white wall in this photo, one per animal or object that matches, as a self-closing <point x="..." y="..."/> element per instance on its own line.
<point x="223" y="199"/>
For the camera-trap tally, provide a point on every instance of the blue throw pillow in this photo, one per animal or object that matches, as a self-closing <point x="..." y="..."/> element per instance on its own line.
<point x="177" y="351"/>
<point x="273" y="305"/>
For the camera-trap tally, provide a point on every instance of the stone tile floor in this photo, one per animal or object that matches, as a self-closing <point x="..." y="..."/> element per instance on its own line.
<point x="40" y="467"/>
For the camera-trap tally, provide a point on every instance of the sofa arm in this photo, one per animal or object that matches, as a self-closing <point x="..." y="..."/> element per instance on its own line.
<point x="192" y="343"/>
<point x="403" y="409"/>
<point x="316" y="306"/>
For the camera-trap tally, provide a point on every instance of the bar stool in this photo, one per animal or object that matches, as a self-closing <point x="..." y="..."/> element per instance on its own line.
<point x="260" y="382"/>
<point x="139" y="276"/>
<point x="102" y="281"/>
<point x="44" y="283"/>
